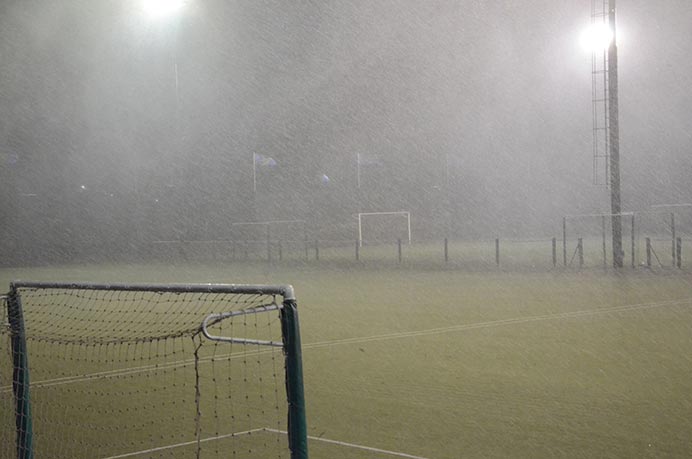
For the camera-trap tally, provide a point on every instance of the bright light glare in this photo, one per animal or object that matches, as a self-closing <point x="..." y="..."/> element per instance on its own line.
<point x="162" y="8"/>
<point x="597" y="37"/>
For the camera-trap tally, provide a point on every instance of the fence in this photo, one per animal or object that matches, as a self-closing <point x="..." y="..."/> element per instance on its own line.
<point x="503" y="253"/>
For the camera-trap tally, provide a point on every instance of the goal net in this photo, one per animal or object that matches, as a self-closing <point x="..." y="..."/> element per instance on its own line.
<point x="115" y="371"/>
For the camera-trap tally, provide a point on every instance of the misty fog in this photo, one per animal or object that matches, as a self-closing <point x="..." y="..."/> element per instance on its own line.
<point x="118" y="129"/>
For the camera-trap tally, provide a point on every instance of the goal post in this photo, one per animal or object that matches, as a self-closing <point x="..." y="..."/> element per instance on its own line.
<point x="125" y="370"/>
<point x="20" y="378"/>
<point x="404" y="214"/>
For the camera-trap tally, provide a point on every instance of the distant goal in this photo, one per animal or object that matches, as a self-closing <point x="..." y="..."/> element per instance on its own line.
<point x="384" y="226"/>
<point x="116" y="371"/>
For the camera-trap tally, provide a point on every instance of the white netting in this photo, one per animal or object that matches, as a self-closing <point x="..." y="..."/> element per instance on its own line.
<point x="114" y="373"/>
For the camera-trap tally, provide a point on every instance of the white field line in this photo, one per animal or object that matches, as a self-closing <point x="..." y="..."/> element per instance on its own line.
<point x="187" y="443"/>
<point x="353" y="445"/>
<point x="367" y="339"/>
<point x="266" y="429"/>
<point x="500" y="323"/>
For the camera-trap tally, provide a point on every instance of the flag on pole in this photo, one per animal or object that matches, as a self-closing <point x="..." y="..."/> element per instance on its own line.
<point x="261" y="161"/>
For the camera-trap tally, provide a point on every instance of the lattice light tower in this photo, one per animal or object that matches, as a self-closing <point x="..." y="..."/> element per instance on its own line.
<point x="606" y="133"/>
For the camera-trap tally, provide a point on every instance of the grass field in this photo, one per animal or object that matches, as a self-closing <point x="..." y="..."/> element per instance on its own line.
<point x="443" y="363"/>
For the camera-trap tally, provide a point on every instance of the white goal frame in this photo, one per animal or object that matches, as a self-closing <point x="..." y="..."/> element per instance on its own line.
<point x="366" y="214"/>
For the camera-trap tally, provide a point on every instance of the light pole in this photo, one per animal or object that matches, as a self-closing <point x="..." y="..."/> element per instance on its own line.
<point x="601" y="39"/>
<point x="614" y="141"/>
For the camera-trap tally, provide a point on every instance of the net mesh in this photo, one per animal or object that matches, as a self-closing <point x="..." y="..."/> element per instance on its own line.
<point x="129" y="374"/>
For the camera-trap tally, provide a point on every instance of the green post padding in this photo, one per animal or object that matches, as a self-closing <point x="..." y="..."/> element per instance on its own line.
<point x="297" y="424"/>
<point x="20" y="377"/>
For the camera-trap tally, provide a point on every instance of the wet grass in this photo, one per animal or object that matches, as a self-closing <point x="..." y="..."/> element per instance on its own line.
<point x="445" y="363"/>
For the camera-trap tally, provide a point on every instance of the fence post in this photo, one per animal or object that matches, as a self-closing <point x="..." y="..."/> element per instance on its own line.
<point x="648" y="252"/>
<point x="497" y="251"/>
<point x="281" y="251"/>
<point x="317" y="250"/>
<point x="307" y="250"/>
<point x="446" y="250"/>
<point x="633" y="242"/>
<point x="580" y="251"/>
<point x="398" y="241"/>
<point x="678" y="247"/>
<point x="233" y="250"/>
<point x="603" y="230"/>
<point x="357" y="250"/>
<point x="269" y="245"/>
<point x="564" y="241"/>
<point x="672" y="231"/>
<point x="554" y="252"/>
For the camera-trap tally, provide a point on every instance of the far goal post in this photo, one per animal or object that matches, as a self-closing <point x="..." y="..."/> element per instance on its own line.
<point x="405" y="216"/>
<point x="156" y="370"/>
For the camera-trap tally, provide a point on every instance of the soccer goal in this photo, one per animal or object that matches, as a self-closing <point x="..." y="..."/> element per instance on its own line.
<point x="116" y="371"/>
<point x="381" y="226"/>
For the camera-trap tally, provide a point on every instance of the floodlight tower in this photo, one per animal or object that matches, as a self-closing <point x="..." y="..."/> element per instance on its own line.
<point x="606" y="133"/>
<point x="614" y="140"/>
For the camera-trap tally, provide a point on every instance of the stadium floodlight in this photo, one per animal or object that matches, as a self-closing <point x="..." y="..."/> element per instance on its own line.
<point x="597" y="37"/>
<point x="162" y="8"/>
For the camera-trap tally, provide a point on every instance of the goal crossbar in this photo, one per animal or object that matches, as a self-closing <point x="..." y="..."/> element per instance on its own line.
<point x="286" y="291"/>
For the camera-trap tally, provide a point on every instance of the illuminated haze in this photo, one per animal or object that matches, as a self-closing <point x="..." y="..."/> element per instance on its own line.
<point x="115" y="127"/>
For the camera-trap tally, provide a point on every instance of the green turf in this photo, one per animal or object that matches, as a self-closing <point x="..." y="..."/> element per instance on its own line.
<point x="442" y="363"/>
